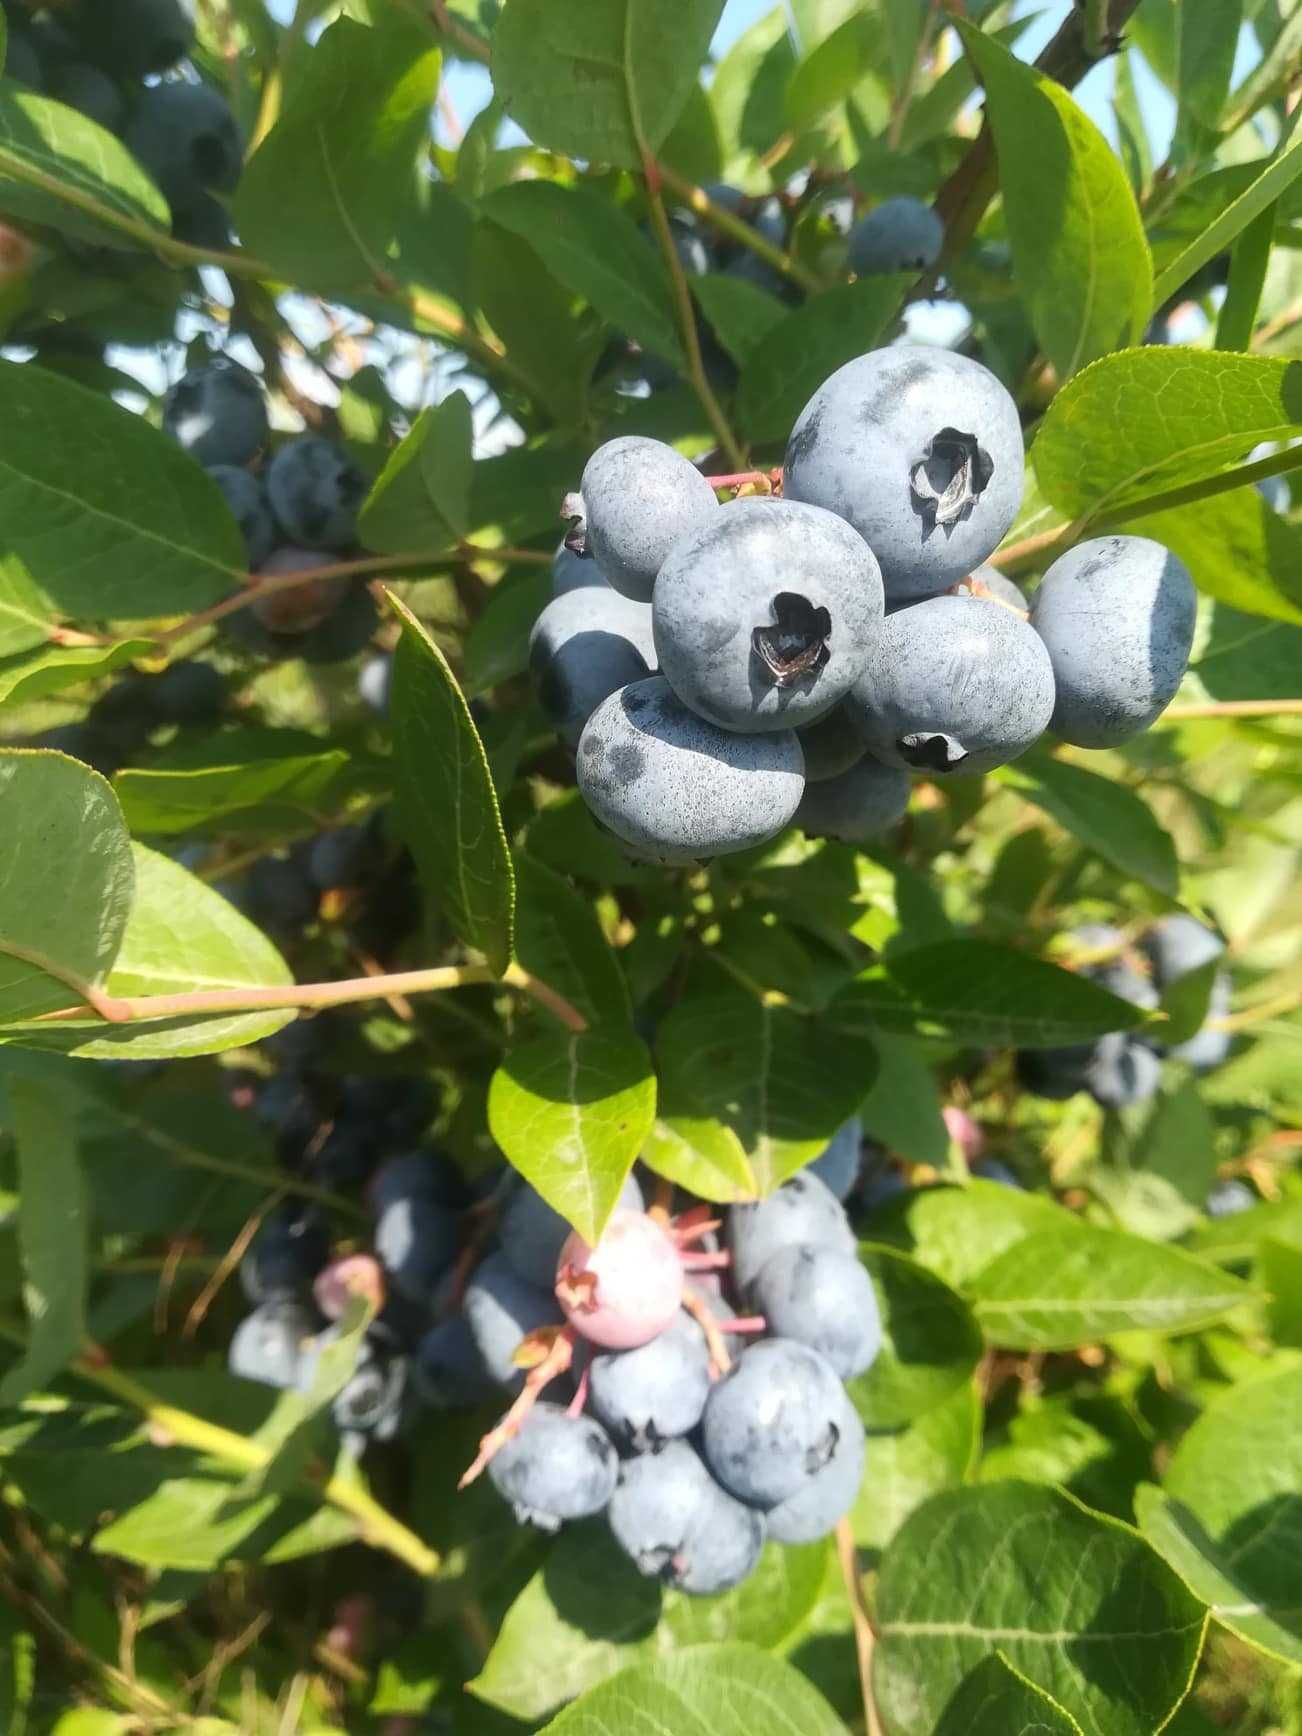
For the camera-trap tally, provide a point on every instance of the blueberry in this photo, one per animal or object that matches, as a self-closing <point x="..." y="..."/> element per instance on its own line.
<point x="447" y="1369"/>
<point x="501" y="1308"/>
<point x="1178" y="944"/>
<point x="656" y="1392"/>
<point x="91" y="92"/>
<point x="1228" y="1198"/>
<point x="954" y="686"/>
<point x="676" y="788"/>
<point x="859" y="804"/>
<point x="343" y="858"/>
<point x="921" y="450"/>
<point x="990" y="1169"/>
<point x="345" y="1156"/>
<point x="250" y="509"/>
<point x="558" y="1467"/>
<point x="1117" y="618"/>
<point x="827" y="1496"/>
<point x="832" y="745"/>
<point x="772" y="1422"/>
<point x="636" y="499"/>
<point x="1118" y="974"/>
<point x="585" y="646"/>
<point x="1055" y="1073"/>
<point x="802" y="1210"/>
<point x="318" y="621"/>
<point x="822" y="1298"/>
<point x="997" y="587"/>
<point x="315" y="491"/>
<point x="278" y="895"/>
<point x="533" y="1233"/>
<point x="765" y="615"/>
<point x="217" y="413"/>
<point x="297" y="609"/>
<point x="374" y="682"/>
<point x="285" y="1256"/>
<point x="206" y="223"/>
<point x="132" y="38"/>
<point x="693" y="254"/>
<point x="571" y="572"/>
<point x="418" y="1240"/>
<point x="269" y="1345"/>
<point x="185" y="137"/>
<point x="838" y="1166"/>
<point x="677" y="1525"/>
<point x="424" y="1172"/>
<point x="1123" y="1071"/>
<point x="901" y="234"/>
<point x="22" y="63"/>
<point x="1206" y="1049"/>
<point x="188" y="692"/>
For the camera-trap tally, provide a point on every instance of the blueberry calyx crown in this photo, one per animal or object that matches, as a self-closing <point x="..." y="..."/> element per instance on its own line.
<point x="950" y="478"/>
<point x="931" y="752"/>
<point x="795" y="643"/>
<point x="574" y="511"/>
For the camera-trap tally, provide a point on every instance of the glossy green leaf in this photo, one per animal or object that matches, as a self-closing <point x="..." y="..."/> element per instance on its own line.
<point x="590" y="1613"/>
<point x="710" y="1690"/>
<point x="593" y="248"/>
<point x="447" y="460"/>
<point x="930" y="1343"/>
<point x="787" y="366"/>
<point x="781" y="1082"/>
<point x="33" y="674"/>
<point x="1249" y="260"/>
<point x="1136" y="424"/>
<point x="446" y="797"/>
<point x="974" y="992"/>
<point x="571" y="1113"/>
<point x="907" y="1466"/>
<point x="830" y="71"/>
<point x="702" y="1155"/>
<point x="399" y="514"/>
<point x="51" y="156"/>
<point x="603" y="84"/>
<point x="748" y="95"/>
<point x="1077" y="1603"/>
<point x="497" y="645"/>
<point x="532" y="314"/>
<point x="59" y="933"/>
<point x="53" y="1229"/>
<point x="996" y="1701"/>
<point x="559" y="940"/>
<point x="902" y="1109"/>
<point x="1207" y="37"/>
<point x="1107" y="817"/>
<point x="1248" y="658"/>
<point x="243" y="779"/>
<point x="1079" y="251"/>
<point x="181" y="936"/>
<point x="957" y="1231"/>
<point x="1060" y="1288"/>
<point x="742" y="314"/>
<point x="25" y="615"/>
<point x="343" y="155"/>
<point x="150" y="534"/>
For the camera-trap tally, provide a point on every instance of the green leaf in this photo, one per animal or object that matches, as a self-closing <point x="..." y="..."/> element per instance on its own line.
<point x="742" y="314"/>
<point x="1248" y="658"/>
<point x="533" y="315"/>
<point x="243" y="779"/>
<point x="781" y="1082"/>
<point x="52" y="1220"/>
<point x="497" y="645"/>
<point x="1178" y="1140"/>
<point x="181" y="936"/>
<point x="1279" y="1273"/>
<point x="833" y="67"/>
<point x="787" y="366"/>
<point x="1185" y="1002"/>
<point x="590" y="1613"/>
<point x="711" y="1690"/>
<point x="1077" y="1603"/>
<point x="59" y="931"/>
<point x="559" y="940"/>
<point x="1249" y="259"/>
<point x="748" y="95"/>
<point x="1229" y="1520"/>
<point x="977" y="993"/>
<point x="1107" y="817"/>
<point x="447" y="460"/>
<point x="931" y="1343"/>
<point x="50" y="155"/>
<point x="903" y="1107"/>
<point x="1079" y="252"/>
<point x="1137" y="424"/>
<point x="446" y="796"/>
<point x="110" y="518"/>
<point x="957" y="1231"/>
<point x="600" y="84"/>
<point x="24" y="613"/>
<point x="343" y="155"/>
<point x="1207" y="38"/>
<point x="1060" y="1288"/>
<point x="701" y="1155"/>
<point x="399" y="513"/>
<point x="938" y="1450"/>
<point x="593" y="248"/>
<point x="996" y="1701"/>
<point x="571" y="1113"/>
<point x="1232" y="219"/>
<point x="33" y="675"/>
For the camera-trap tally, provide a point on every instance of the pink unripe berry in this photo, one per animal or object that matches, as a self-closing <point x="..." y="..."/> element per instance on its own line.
<point x="353" y="1275"/>
<point x="965" y="1132"/>
<point x="626" y="1289"/>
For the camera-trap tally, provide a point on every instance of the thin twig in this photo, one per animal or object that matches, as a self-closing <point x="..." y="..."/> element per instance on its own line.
<point x="904" y="97"/>
<point x="455" y="31"/>
<point x="737" y="229"/>
<point x="864" y="1637"/>
<point x="1232" y="708"/>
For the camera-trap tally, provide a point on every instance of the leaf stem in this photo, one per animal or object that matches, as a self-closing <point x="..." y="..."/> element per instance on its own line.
<point x="466" y="40"/>
<point x="864" y="1638"/>
<point x="738" y="230"/>
<point x="129" y="1010"/>
<point x="1232" y="708"/>
<point x="686" y="309"/>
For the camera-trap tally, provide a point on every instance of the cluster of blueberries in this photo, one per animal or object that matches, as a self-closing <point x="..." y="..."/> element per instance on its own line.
<point x="696" y="1454"/>
<point x="94" y="56"/>
<point x="296" y="510"/>
<point x="724" y="670"/>
<point x="1121" y="1069"/>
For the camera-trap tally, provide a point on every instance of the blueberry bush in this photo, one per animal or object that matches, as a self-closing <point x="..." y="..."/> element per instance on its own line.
<point x="650" y="1006"/>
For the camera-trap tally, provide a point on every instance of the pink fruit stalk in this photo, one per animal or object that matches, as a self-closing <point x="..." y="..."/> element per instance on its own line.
<point x="627" y="1288"/>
